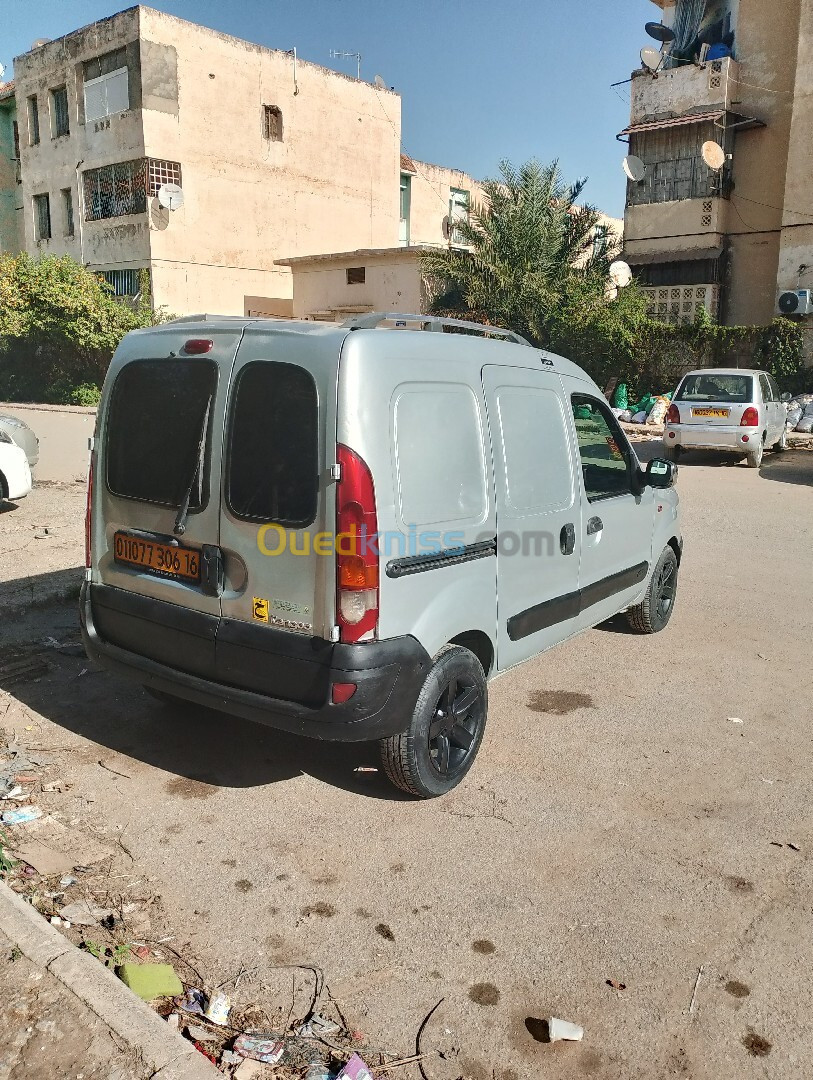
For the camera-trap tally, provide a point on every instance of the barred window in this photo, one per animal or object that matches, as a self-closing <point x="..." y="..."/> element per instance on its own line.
<point x="33" y="120"/>
<point x="123" y="188"/>
<point x="59" y="103"/>
<point x="42" y="217"/>
<point x="272" y="123"/>
<point x="122" y="282"/>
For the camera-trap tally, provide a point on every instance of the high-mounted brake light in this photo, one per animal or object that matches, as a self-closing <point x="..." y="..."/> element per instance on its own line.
<point x="196" y="346"/>
<point x="750" y="418"/>
<point x="673" y="414"/>
<point x="356" y="549"/>
<point x="88" y="513"/>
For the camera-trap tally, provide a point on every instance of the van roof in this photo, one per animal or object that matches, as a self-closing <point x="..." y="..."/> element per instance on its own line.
<point x="521" y="354"/>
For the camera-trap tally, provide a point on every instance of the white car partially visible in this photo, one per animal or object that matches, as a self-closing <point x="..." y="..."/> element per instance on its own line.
<point x="15" y="474"/>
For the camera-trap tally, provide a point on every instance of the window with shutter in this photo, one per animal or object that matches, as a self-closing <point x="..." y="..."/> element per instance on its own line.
<point x="106" y="95"/>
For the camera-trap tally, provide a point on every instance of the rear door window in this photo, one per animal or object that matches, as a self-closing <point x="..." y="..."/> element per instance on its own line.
<point x="767" y="392"/>
<point x="155" y="426"/>
<point x="714" y="387"/>
<point x="273" y="470"/>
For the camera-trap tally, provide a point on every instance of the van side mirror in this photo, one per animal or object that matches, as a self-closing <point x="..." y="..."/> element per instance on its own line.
<point x="660" y="473"/>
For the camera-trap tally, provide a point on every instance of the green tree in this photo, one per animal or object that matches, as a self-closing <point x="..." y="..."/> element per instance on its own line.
<point x="59" y="327"/>
<point x="529" y="253"/>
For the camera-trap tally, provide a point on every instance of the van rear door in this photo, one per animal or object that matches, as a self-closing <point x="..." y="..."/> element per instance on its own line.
<point x="159" y="448"/>
<point x="277" y="499"/>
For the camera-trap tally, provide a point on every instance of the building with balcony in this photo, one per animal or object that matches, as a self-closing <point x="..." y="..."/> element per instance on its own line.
<point x="728" y="239"/>
<point x="275" y="157"/>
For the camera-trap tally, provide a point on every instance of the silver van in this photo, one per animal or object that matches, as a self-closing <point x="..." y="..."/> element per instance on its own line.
<point x="345" y="531"/>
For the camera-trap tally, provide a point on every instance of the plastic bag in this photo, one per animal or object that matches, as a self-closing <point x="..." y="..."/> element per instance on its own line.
<point x="802" y="399"/>
<point x="805" y="425"/>
<point x="809" y="409"/>
<point x="621" y="396"/>
<point x="639" y="417"/>
<point x="583" y="412"/>
<point x="657" y="413"/>
<point x="625" y="417"/>
<point x="646" y="403"/>
<point x="794" y="416"/>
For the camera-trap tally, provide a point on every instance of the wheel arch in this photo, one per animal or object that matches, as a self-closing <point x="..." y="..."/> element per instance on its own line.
<point x="675" y="545"/>
<point x="3" y="486"/>
<point x="480" y="644"/>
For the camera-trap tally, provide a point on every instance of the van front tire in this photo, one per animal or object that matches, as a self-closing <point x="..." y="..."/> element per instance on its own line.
<point x="439" y="747"/>
<point x="655" y="610"/>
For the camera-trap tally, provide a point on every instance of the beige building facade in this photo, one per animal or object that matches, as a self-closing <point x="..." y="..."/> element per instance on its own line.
<point x="275" y="158"/>
<point x="729" y="239"/>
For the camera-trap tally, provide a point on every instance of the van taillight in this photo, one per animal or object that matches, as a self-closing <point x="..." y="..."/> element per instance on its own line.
<point x="356" y="549"/>
<point x="750" y="418"/>
<point x="88" y="513"/>
<point x="673" y="414"/>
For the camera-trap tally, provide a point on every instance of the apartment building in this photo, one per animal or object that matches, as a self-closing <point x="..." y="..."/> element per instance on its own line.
<point x="738" y="73"/>
<point x="276" y="158"/>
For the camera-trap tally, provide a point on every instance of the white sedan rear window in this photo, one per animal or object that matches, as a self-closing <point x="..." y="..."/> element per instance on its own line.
<point x="711" y="387"/>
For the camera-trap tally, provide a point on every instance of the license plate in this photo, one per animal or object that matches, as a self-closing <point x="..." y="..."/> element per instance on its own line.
<point x="166" y="560"/>
<point x="722" y="413"/>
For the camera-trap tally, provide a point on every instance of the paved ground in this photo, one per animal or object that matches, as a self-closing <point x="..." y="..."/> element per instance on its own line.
<point x="617" y="826"/>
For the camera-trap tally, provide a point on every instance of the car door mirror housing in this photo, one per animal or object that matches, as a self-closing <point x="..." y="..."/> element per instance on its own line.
<point x="660" y="473"/>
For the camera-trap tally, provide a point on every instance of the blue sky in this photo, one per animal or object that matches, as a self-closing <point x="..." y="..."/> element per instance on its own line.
<point x="480" y="80"/>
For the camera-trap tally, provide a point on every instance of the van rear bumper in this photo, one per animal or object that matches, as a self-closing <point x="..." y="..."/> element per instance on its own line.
<point x="388" y="674"/>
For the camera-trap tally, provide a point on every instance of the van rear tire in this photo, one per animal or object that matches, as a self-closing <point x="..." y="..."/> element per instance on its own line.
<point x="446" y="729"/>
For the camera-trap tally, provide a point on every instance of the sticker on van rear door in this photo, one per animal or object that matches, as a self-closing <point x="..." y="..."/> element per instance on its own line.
<point x="259" y="609"/>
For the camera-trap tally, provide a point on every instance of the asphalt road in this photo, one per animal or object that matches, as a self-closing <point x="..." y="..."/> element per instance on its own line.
<point x="618" y="825"/>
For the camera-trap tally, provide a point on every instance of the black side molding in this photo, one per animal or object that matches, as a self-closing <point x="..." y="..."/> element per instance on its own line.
<point x="568" y="606"/>
<point x="417" y="564"/>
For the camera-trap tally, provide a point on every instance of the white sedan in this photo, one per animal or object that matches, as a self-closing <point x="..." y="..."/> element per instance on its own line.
<point x="15" y="474"/>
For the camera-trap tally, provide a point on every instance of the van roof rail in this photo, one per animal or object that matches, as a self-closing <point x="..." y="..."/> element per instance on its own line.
<point x="372" y="319"/>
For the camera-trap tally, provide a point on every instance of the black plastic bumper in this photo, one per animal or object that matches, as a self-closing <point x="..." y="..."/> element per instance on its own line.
<point x="270" y="676"/>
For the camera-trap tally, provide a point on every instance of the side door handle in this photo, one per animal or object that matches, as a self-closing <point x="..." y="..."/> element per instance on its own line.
<point x="567" y="539"/>
<point x="594" y="525"/>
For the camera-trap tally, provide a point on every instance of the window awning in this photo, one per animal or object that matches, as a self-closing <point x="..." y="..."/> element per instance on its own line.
<point x="647" y="258"/>
<point x="732" y="120"/>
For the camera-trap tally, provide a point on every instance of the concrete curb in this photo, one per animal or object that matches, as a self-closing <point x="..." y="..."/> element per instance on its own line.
<point x="170" y="1056"/>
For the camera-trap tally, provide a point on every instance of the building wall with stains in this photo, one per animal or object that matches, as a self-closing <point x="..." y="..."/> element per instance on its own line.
<point x="431" y="199"/>
<point x="11" y="239"/>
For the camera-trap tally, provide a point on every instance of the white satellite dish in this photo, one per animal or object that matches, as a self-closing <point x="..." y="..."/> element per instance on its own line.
<point x="651" y="58"/>
<point x="379" y="82"/>
<point x="713" y="155"/>
<point x="170" y="196"/>
<point x="634" y="168"/>
<point x="620" y="274"/>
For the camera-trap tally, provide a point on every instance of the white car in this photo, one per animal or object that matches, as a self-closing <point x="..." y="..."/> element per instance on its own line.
<point x="731" y="409"/>
<point x="15" y="474"/>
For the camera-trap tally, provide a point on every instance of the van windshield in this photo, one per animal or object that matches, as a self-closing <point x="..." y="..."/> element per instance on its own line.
<point x="713" y="387"/>
<point x="154" y="428"/>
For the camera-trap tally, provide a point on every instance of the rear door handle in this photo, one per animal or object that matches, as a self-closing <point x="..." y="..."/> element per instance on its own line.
<point x="567" y="539"/>
<point x="594" y="525"/>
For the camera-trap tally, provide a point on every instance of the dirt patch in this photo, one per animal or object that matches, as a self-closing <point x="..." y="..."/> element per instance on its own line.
<point x="323" y="910"/>
<point x="244" y="885"/>
<point x="537" y="1029"/>
<point x="558" y="702"/>
<point x="737" y="989"/>
<point x="184" y="788"/>
<point x="739" y="885"/>
<point x="484" y="994"/>
<point x="756" y="1045"/>
<point x="384" y="931"/>
<point x="484" y="947"/>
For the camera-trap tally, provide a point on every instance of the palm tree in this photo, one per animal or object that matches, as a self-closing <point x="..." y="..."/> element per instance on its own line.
<point x="527" y="246"/>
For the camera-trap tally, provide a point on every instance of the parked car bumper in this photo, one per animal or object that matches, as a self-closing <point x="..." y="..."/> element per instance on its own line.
<point x="255" y="672"/>
<point x="739" y="440"/>
<point x="14" y="467"/>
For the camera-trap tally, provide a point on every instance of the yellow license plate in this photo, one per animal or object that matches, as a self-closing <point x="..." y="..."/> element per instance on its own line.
<point x="164" y="559"/>
<point x="711" y="412"/>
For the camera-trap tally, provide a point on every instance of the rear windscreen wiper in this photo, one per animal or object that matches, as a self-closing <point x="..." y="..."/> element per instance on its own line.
<point x="183" y="511"/>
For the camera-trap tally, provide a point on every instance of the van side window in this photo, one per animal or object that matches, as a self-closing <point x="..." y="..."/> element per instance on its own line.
<point x="767" y="392"/>
<point x="538" y="471"/>
<point x="605" y="454"/>
<point x="273" y="468"/>
<point x="157" y="410"/>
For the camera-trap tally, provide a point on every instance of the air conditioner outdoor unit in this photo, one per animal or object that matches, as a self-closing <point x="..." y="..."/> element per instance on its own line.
<point x="799" y="302"/>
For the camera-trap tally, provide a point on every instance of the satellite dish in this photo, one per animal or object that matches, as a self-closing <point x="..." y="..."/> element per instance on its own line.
<point x="620" y="274"/>
<point x="651" y="58"/>
<point x="659" y="32"/>
<point x="447" y="227"/>
<point x="40" y="42"/>
<point x="713" y="155"/>
<point x="634" y="168"/>
<point x="170" y="196"/>
<point x="379" y="82"/>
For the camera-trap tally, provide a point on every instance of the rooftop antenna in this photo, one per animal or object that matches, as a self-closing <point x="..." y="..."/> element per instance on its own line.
<point x="348" y="54"/>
